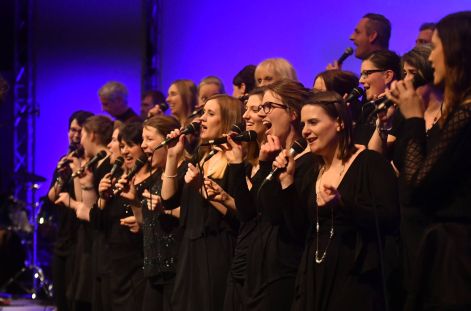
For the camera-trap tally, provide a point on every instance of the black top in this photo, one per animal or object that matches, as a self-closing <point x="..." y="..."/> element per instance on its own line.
<point x="197" y="216"/>
<point x="349" y="276"/>
<point x="162" y="235"/>
<point x="279" y="235"/>
<point x="67" y="222"/>
<point x="440" y="181"/>
<point x="129" y="117"/>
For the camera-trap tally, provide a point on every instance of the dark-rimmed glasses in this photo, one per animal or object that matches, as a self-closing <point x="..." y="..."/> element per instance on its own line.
<point x="365" y="73"/>
<point x="267" y="107"/>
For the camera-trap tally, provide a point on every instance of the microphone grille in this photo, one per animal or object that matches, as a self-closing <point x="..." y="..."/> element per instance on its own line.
<point x="119" y="161"/>
<point x="238" y="127"/>
<point x="349" y="51"/>
<point x="299" y="145"/>
<point x="101" y="154"/>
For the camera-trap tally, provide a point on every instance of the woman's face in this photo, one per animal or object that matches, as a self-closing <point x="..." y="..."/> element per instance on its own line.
<point x="265" y="75"/>
<point x="211" y="120"/>
<point x="374" y="81"/>
<point x="437" y="58"/>
<point x="319" y="85"/>
<point x="113" y="146"/>
<point x="131" y="153"/>
<point x="175" y="101"/>
<point x="409" y="73"/>
<point x="151" y="138"/>
<point x="275" y="116"/>
<point x="319" y="130"/>
<point x="253" y="121"/>
<point x="238" y="91"/>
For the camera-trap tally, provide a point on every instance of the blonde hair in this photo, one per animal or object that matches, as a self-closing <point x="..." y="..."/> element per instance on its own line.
<point x="280" y="66"/>
<point x="113" y="90"/>
<point x="188" y="94"/>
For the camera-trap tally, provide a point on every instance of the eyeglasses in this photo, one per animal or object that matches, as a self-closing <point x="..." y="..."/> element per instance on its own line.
<point x="267" y="107"/>
<point x="365" y="73"/>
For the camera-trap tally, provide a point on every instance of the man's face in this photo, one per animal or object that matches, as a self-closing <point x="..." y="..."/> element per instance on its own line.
<point x="113" y="107"/>
<point x="361" y="39"/>
<point x="424" y="37"/>
<point x="75" y="131"/>
<point x="146" y="105"/>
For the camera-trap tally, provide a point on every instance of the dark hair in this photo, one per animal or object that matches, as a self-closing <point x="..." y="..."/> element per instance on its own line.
<point x="80" y="116"/>
<point x="131" y="134"/>
<point x="418" y="58"/>
<point x="163" y="124"/>
<point x="387" y="60"/>
<point x="381" y="25"/>
<point x="333" y="104"/>
<point x="426" y="26"/>
<point x="339" y="81"/>
<point x="247" y="77"/>
<point x="454" y="31"/>
<point x="157" y="96"/>
<point x="292" y="94"/>
<point x="101" y="126"/>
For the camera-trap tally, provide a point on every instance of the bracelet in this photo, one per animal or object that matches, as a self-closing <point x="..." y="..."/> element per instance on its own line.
<point x="87" y="188"/>
<point x="169" y="176"/>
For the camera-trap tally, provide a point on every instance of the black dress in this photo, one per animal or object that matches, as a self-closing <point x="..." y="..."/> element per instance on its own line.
<point x="205" y="252"/>
<point x="81" y="289"/>
<point x="63" y="260"/>
<point x="349" y="277"/>
<point x="235" y="298"/>
<point x="441" y="181"/>
<point x="162" y="235"/>
<point x="278" y="240"/>
<point x="413" y="220"/>
<point x="125" y="255"/>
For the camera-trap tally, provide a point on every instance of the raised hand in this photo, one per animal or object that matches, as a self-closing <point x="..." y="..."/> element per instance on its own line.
<point x="192" y="174"/>
<point x="403" y="94"/>
<point x="270" y="148"/>
<point x="286" y="162"/>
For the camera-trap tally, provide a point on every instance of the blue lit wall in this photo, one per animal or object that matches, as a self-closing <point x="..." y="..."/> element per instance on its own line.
<point x="83" y="44"/>
<point x="80" y="45"/>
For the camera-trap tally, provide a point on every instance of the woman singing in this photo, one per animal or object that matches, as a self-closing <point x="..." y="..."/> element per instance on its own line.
<point x="209" y="225"/>
<point x="351" y="203"/>
<point x="440" y="176"/>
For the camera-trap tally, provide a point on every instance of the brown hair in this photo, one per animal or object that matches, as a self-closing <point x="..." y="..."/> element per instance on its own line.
<point x="187" y="91"/>
<point x="163" y="124"/>
<point x="293" y="94"/>
<point x="333" y="104"/>
<point x="339" y="81"/>
<point x="454" y="31"/>
<point x="101" y="126"/>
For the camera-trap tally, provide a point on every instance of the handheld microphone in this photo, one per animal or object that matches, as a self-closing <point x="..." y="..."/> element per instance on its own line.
<point x="245" y="136"/>
<point x="189" y="129"/>
<point x="137" y="167"/>
<point x="197" y="112"/>
<point x="296" y="148"/>
<point x="117" y="164"/>
<point x="236" y="128"/>
<point x="163" y="106"/>
<point x="100" y="155"/>
<point x="348" y="51"/>
<point x="355" y="94"/>
<point x="384" y="103"/>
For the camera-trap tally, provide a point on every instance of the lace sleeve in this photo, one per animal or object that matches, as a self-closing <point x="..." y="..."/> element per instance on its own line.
<point x="418" y="164"/>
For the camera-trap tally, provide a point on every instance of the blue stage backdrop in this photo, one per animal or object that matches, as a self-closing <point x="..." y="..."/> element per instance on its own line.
<point x="81" y="45"/>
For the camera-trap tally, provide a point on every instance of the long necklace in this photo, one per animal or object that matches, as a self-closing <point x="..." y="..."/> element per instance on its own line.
<point x="332" y="231"/>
